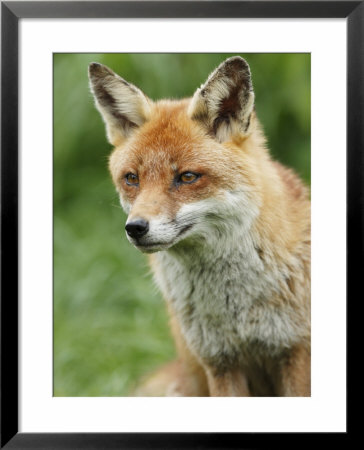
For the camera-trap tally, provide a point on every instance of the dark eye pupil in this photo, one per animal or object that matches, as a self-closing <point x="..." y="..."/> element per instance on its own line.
<point x="131" y="178"/>
<point x="188" y="177"/>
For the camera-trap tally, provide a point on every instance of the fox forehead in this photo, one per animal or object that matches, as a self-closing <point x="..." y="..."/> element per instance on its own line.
<point x="170" y="142"/>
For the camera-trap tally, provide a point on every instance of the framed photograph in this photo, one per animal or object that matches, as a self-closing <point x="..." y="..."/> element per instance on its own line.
<point x="83" y="326"/>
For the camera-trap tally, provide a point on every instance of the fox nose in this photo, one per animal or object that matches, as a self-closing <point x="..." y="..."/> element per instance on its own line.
<point x="137" y="228"/>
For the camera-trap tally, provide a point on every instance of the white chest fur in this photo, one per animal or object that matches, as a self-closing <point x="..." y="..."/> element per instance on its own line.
<point x="221" y="296"/>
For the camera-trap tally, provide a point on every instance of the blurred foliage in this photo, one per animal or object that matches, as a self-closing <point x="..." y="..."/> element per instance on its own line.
<point x="110" y="325"/>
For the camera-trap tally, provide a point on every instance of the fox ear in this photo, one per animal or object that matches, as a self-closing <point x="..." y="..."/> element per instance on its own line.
<point x="122" y="105"/>
<point x="225" y="102"/>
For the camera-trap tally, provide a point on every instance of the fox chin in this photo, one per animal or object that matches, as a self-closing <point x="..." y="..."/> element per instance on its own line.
<point x="227" y="229"/>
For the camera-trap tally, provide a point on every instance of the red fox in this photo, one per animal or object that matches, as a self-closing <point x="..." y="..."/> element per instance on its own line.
<point x="228" y="230"/>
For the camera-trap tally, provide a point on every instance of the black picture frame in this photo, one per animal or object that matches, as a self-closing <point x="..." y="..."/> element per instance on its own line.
<point x="11" y="12"/>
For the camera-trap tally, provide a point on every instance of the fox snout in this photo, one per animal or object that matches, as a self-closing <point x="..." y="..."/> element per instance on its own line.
<point x="155" y="233"/>
<point x="150" y="233"/>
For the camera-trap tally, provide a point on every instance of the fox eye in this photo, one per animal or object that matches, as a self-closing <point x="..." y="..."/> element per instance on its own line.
<point x="132" y="179"/>
<point x="188" y="177"/>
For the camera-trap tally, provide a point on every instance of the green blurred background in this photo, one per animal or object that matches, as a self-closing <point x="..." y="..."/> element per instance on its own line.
<point x="110" y="324"/>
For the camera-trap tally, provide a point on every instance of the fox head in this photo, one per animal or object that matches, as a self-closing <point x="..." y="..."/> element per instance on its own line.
<point x="177" y="165"/>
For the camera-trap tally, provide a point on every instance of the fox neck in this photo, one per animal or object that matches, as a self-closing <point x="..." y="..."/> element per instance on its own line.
<point x="211" y="287"/>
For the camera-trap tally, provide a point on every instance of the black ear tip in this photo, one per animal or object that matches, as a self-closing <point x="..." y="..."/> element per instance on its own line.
<point x="94" y="68"/>
<point x="237" y="63"/>
<point x="94" y="65"/>
<point x="97" y="69"/>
